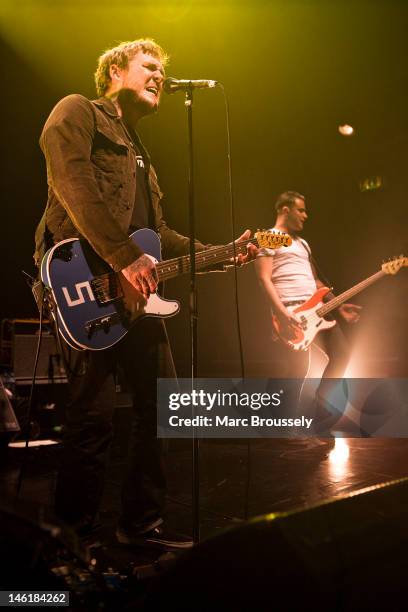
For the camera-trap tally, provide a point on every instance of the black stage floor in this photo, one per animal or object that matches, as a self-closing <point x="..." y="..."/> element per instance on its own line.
<point x="284" y="475"/>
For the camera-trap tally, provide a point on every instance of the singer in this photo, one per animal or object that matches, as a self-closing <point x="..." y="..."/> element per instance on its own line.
<point x="102" y="186"/>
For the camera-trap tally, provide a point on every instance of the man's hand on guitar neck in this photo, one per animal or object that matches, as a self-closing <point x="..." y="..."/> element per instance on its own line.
<point x="350" y="312"/>
<point x="251" y="252"/>
<point x="142" y="274"/>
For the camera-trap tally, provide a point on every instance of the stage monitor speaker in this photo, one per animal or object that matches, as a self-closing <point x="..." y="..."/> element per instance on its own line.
<point x="348" y="553"/>
<point x="50" y="367"/>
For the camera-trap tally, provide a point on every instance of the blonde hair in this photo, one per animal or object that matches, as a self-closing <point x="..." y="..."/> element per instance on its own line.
<point x="121" y="56"/>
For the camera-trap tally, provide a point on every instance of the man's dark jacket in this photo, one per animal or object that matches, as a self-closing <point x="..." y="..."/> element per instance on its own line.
<point x="91" y="168"/>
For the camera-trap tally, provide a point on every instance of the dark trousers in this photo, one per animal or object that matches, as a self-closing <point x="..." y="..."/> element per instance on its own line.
<point x="144" y="355"/>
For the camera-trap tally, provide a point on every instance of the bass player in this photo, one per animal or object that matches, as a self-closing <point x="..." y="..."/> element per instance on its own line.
<point x="289" y="278"/>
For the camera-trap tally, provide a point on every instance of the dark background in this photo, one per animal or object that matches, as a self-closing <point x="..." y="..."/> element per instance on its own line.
<point x="293" y="72"/>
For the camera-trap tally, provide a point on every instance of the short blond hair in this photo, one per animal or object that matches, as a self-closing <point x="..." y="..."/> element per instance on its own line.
<point x="121" y="56"/>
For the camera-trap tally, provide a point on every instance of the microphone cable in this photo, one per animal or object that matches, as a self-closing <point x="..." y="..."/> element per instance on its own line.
<point x="236" y="296"/>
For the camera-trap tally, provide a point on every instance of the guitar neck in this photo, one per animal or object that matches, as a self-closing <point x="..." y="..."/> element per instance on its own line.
<point x="181" y="265"/>
<point x="343" y="297"/>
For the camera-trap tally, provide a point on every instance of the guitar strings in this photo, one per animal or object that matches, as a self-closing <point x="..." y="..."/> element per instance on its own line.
<point x="108" y="288"/>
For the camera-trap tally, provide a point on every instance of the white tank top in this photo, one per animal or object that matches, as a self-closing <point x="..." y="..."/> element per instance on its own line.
<point x="291" y="270"/>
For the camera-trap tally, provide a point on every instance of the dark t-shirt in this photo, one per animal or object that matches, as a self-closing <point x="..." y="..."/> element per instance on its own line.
<point x="142" y="211"/>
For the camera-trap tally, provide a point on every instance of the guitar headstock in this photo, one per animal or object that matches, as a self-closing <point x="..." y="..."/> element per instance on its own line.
<point x="272" y="240"/>
<point x="394" y="265"/>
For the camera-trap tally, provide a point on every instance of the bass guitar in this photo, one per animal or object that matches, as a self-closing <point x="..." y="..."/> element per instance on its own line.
<point x="311" y="313"/>
<point x="94" y="307"/>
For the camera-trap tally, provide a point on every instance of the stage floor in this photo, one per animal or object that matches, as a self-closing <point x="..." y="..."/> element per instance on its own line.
<point x="284" y="475"/>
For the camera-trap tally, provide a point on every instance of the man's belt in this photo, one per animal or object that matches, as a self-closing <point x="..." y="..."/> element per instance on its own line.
<point x="294" y="303"/>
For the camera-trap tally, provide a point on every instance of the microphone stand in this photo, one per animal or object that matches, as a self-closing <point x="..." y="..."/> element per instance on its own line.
<point x="193" y="314"/>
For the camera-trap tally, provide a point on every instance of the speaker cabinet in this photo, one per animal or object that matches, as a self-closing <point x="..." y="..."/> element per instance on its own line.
<point x="18" y="348"/>
<point x="49" y="368"/>
<point x="347" y="553"/>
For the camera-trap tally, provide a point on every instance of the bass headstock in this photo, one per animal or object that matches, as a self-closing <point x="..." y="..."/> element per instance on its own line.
<point x="272" y="240"/>
<point x="394" y="265"/>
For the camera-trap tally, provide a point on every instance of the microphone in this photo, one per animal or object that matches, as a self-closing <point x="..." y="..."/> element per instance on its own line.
<point x="172" y="85"/>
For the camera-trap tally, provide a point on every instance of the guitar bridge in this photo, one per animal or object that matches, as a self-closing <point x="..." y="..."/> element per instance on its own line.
<point x="303" y="322"/>
<point x="101" y="324"/>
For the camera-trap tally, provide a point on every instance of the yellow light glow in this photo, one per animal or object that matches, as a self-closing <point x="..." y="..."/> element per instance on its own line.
<point x="346" y="130"/>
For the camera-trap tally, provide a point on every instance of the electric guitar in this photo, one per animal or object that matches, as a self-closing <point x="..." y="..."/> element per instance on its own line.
<point x="94" y="307"/>
<point x="311" y="314"/>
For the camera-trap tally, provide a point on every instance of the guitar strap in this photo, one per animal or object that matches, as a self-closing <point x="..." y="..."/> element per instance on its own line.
<point x="323" y="278"/>
<point x="318" y="268"/>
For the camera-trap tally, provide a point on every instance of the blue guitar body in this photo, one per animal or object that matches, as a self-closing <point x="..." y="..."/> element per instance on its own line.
<point x="95" y="307"/>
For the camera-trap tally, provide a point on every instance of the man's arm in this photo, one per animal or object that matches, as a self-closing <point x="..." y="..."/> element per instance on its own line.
<point x="175" y="244"/>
